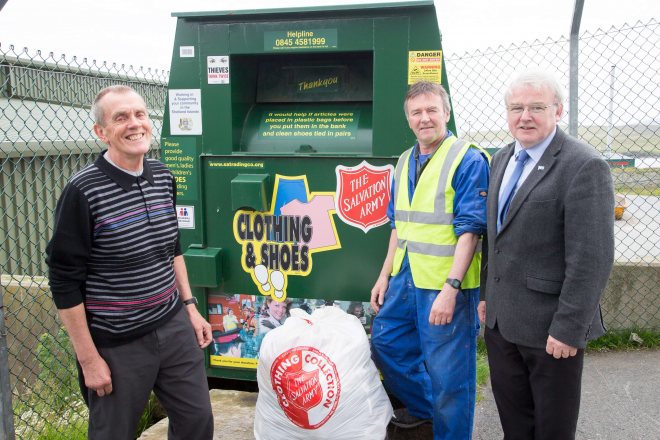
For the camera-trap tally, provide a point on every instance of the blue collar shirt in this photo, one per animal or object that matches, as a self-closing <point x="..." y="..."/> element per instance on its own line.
<point x="535" y="154"/>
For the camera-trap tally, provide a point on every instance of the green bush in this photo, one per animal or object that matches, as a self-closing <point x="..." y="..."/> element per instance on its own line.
<point x="57" y="382"/>
<point x="64" y="432"/>
<point x="53" y="408"/>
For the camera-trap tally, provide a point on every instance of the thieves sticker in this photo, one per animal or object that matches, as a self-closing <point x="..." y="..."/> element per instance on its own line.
<point x="217" y="69"/>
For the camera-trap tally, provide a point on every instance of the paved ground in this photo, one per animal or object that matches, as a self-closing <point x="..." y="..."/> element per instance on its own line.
<point x="620" y="401"/>
<point x="636" y="233"/>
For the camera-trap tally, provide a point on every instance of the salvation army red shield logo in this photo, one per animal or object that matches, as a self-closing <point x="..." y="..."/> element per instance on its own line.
<point x="363" y="193"/>
<point x="307" y="386"/>
<point x="303" y="389"/>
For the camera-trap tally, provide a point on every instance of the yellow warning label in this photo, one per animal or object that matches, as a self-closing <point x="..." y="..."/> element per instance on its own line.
<point x="424" y="65"/>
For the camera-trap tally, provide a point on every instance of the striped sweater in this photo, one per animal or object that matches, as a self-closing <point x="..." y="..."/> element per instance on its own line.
<point x="113" y="246"/>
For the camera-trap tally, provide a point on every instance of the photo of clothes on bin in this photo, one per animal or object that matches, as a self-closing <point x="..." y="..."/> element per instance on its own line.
<point x="240" y="322"/>
<point x="235" y="325"/>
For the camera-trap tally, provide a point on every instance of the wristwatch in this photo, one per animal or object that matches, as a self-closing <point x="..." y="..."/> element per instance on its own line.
<point x="192" y="300"/>
<point x="453" y="282"/>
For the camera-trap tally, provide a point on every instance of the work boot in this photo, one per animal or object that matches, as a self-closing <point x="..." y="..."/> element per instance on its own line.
<point x="403" y="419"/>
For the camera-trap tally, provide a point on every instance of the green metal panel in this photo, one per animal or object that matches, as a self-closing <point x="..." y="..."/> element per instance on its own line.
<point x="204" y="266"/>
<point x="390" y="85"/>
<point x="219" y="104"/>
<point x="249" y="191"/>
<point x="184" y="73"/>
<point x="296" y="151"/>
<point x="343" y="274"/>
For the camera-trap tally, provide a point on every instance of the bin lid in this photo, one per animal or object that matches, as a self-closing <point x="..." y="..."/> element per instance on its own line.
<point x="303" y="10"/>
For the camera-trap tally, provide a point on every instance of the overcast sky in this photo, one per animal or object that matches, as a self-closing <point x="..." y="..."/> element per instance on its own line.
<point x="141" y="32"/>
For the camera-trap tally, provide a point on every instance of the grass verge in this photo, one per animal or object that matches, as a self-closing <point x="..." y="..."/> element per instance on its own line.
<point x="483" y="372"/>
<point x="625" y="340"/>
<point x="52" y="407"/>
<point x="637" y="190"/>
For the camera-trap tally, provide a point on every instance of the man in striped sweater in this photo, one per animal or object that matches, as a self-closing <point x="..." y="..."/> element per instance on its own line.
<point x="120" y="283"/>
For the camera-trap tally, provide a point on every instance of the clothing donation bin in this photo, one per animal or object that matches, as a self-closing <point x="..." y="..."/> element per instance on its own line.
<point x="282" y="128"/>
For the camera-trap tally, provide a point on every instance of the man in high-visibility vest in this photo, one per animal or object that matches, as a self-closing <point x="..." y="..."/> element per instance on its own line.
<point x="424" y="337"/>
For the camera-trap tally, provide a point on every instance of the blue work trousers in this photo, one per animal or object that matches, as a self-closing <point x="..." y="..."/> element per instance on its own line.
<point x="430" y="368"/>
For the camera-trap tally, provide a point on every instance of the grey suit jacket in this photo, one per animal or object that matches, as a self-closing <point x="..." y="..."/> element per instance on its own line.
<point x="545" y="271"/>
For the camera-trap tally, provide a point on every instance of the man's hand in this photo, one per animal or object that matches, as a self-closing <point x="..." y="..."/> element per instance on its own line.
<point x="558" y="349"/>
<point x="378" y="292"/>
<point x="442" y="310"/>
<point x="481" y="311"/>
<point x="200" y="325"/>
<point x="97" y="375"/>
<point x="95" y="369"/>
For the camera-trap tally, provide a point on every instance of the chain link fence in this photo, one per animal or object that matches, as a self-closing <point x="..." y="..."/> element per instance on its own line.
<point x="45" y="136"/>
<point x="619" y="114"/>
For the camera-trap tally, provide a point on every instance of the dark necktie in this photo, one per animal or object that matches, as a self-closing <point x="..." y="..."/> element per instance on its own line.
<point x="509" y="189"/>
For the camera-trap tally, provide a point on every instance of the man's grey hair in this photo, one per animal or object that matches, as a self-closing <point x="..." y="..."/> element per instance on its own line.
<point x="427" y="88"/>
<point x="97" y="110"/>
<point x="537" y="80"/>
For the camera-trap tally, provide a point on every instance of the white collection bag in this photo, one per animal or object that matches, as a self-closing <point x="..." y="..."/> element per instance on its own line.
<point x="317" y="381"/>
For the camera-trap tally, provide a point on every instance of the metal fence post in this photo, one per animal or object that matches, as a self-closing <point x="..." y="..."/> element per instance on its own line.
<point x="573" y="74"/>
<point x="6" y="412"/>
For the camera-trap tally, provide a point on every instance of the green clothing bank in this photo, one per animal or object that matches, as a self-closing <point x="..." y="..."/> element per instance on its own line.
<point x="282" y="128"/>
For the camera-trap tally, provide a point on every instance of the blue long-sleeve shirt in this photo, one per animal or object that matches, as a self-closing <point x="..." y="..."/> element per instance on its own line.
<point x="470" y="183"/>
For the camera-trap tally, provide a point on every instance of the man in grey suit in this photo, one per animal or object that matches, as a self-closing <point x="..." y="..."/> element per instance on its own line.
<point x="550" y="253"/>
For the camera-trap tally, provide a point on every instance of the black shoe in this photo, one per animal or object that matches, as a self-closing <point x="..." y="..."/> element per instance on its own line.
<point x="403" y="419"/>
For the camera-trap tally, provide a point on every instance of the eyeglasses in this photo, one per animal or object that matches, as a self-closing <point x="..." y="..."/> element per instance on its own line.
<point x="534" y="108"/>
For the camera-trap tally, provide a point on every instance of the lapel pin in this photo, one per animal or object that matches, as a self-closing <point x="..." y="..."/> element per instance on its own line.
<point x="541" y="167"/>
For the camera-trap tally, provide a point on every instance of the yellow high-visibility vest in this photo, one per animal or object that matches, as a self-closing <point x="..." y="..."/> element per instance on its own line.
<point x="424" y="227"/>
